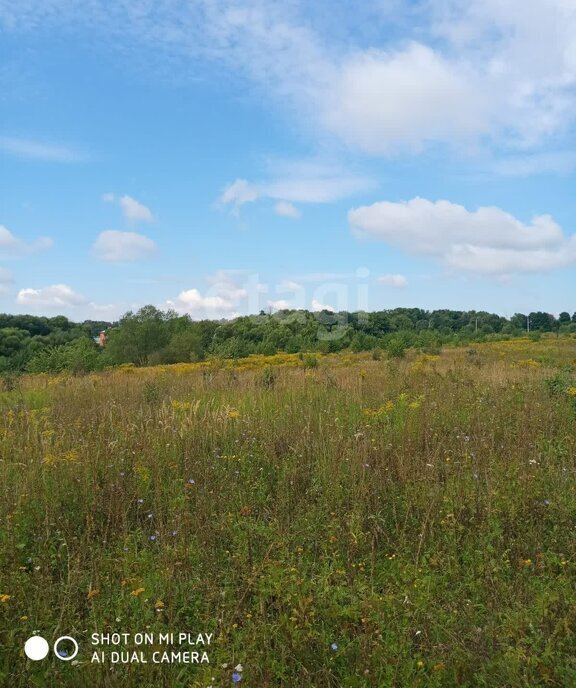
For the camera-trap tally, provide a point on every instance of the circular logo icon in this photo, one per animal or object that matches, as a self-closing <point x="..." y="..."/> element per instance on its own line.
<point x="64" y="654"/>
<point x="36" y="648"/>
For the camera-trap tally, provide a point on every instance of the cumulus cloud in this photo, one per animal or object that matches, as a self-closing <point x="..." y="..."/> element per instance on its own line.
<point x="225" y="284"/>
<point x="396" y="281"/>
<point x="488" y="240"/>
<point x="36" y="150"/>
<point x="11" y="245"/>
<point x="54" y="296"/>
<point x="295" y="291"/>
<point x="385" y="101"/>
<point x="317" y="306"/>
<point x="61" y="297"/>
<point x="228" y="293"/>
<point x="115" y="246"/>
<point x="287" y="209"/>
<point x="133" y="210"/>
<point x="193" y="302"/>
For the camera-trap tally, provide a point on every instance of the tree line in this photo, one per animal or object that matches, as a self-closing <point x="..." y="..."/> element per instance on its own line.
<point x="151" y="336"/>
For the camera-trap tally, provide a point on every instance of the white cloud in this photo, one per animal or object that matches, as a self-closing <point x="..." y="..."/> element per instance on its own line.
<point x="11" y="245"/>
<point x="54" y="296"/>
<point x="396" y="281"/>
<point x="298" y="181"/>
<point x="458" y="72"/>
<point x="108" y="310"/>
<point x="227" y="295"/>
<point x="35" y="150"/>
<point x="280" y="304"/>
<point x="61" y="297"/>
<point x="289" y="285"/>
<point x="226" y="286"/>
<point x="317" y="189"/>
<point x="115" y="246"/>
<point x="317" y="306"/>
<point x="287" y="209"/>
<point x="191" y="301"/>
<point x="238" y="193"/>
<point x="488" y="240"/>
<point x="133" y="210"/>
<point x="314" y="180"/>
<point x="7" y="239"/>
<point x="383" y="102"/>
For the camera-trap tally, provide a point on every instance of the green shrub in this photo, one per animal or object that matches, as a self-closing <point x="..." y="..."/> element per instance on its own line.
<point x="267" y="377"/>
<point x="396" y="348"/>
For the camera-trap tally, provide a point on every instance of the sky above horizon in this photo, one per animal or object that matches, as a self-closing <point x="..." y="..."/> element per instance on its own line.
<point x="219" y="157"/>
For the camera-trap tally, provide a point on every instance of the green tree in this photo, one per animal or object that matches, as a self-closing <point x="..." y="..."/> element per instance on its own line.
<point x="139" y="335"/>
<point x="184" y="346"/>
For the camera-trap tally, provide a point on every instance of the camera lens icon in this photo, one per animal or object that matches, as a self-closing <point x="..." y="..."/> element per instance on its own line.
<point x="65" y="648"/>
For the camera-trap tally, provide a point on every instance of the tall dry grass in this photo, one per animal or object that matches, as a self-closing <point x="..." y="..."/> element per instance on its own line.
<point x="360" y="523"/>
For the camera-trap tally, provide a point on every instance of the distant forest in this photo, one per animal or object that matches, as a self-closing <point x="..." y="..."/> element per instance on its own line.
<point x="151" y="336"/>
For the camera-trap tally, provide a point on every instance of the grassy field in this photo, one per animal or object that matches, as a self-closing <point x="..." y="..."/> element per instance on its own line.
<point x="355" y="523"/>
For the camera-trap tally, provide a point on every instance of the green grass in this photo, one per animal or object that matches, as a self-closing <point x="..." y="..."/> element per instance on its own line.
<point x="362" y="523"/>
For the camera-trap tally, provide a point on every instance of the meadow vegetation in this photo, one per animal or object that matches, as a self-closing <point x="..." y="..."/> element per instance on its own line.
<point x="347" y="520"/>
<point x="150" y="336"/>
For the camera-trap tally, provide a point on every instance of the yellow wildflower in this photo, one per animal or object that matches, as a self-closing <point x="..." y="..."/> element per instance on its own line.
<point x="137" y="592"/>
<point x="4" y="598"/>
<point x="71" y="456"/>
<point x="181" y="405"/>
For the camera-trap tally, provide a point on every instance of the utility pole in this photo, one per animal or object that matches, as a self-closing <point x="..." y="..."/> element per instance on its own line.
<point x="528" y="324"/>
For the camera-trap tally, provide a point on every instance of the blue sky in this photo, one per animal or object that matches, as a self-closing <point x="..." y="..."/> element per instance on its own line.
<point x="218" y="156"/>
